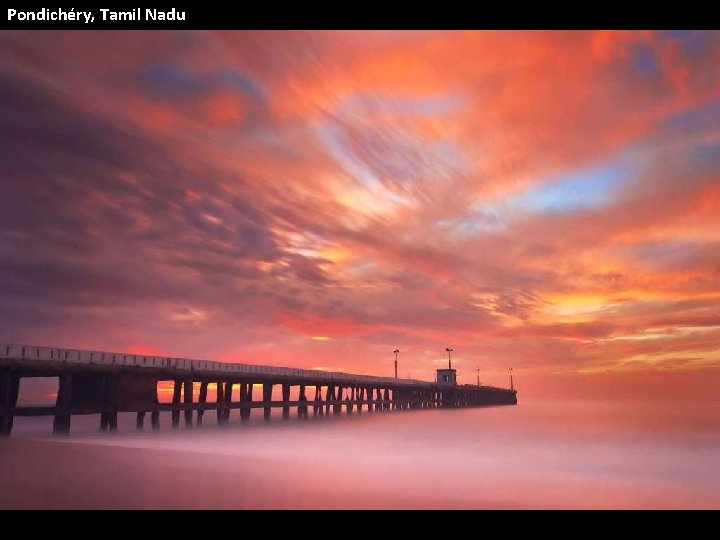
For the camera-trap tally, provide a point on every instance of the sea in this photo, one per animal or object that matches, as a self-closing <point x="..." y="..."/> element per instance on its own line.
<point x="540" y="454"/>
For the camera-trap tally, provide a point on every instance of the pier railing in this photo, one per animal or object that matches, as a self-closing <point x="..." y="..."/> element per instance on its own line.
<point x="101" y="358"/>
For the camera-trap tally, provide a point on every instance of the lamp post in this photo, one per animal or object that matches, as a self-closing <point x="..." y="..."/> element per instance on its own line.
<point x="396" y="351"/>
<point x="478" y="375"/>
<point x="511" y="380"/>
<point x="449" y="350"/>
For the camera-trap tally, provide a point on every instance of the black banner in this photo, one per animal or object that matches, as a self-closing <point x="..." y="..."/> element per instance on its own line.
<point x="343" y="16"/>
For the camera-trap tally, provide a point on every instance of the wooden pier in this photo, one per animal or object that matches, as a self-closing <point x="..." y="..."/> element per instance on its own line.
<point x="103" y="383"/>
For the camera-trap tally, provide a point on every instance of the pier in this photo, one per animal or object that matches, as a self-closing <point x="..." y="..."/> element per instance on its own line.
<point x="105" y="384"/>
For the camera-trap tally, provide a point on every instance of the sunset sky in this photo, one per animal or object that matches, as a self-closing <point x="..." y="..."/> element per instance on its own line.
<point x="541" y="200"/>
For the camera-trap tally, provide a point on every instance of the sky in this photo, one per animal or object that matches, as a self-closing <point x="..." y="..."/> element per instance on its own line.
<point x="547" y="201"/>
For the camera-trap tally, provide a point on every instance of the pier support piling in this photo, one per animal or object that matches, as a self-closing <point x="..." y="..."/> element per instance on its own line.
<point x="286" y="399"/>
<point x="349" y="401"/>
<point x="202" y="399"/>
<point x="220" y="393"/>
<point x="243" y="400"/>
<point x="177" y="388"/>
<point x="337" y="408"/>
<point x="61" y="423"/>
<point x="329" y="396"/>
<point x="228" y="401"/>
<point x="112" y="421"/>
<point x="188" y="399"/>
<point x="317" y="406"/>
<point x="302" y="407"/>
<point x="267" y="398"/>
<point x="104" y="421"/>
<point x="247" y="412"/>
<point x="9" y="387"/>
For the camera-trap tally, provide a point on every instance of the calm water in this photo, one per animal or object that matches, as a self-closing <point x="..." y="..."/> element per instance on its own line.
<point x="535" y="455"/>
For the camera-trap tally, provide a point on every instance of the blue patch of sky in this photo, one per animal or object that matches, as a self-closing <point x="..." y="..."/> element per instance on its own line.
<point x="337" y="150"/>
<point x="675" y="34"/>
<point x="577" y="190"/>
<point x="178" y="81"/>
<point x="171" y="80"/>
<point x="573" y="191"/>
<point x="709" y="154"/>
<point x="706" y="115"/>
<point x="240" y="81"/>
<point x="644" y="60"/>
<point x="393" y="152"/>
<point x="692" y="42"/>
<point x="357" y="170"/>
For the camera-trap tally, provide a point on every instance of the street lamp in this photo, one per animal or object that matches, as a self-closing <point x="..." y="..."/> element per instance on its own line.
<point x="449" y="350"/>
<point x="396" y="351"/>
<point x="478" y="375"/>
<point x="511" y="381"/>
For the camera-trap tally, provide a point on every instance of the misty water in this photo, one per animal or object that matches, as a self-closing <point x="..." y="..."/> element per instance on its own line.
<point x="544" y="454"/>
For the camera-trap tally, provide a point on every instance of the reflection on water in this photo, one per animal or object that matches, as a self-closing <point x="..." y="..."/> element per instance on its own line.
<point x="539" y="455"/>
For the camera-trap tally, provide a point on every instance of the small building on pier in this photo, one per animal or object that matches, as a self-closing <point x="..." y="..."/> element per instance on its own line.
<point x="446" y="377"/>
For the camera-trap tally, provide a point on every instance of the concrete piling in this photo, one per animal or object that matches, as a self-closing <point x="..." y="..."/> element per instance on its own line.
<point x="202" y="399"/>
<point x="61" y="423"/>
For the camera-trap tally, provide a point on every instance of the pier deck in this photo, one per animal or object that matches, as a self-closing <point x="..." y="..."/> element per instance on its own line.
<point x="104" y="383"/>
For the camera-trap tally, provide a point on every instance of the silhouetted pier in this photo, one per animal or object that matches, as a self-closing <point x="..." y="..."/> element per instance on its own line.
<point x="103" y="383"/>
